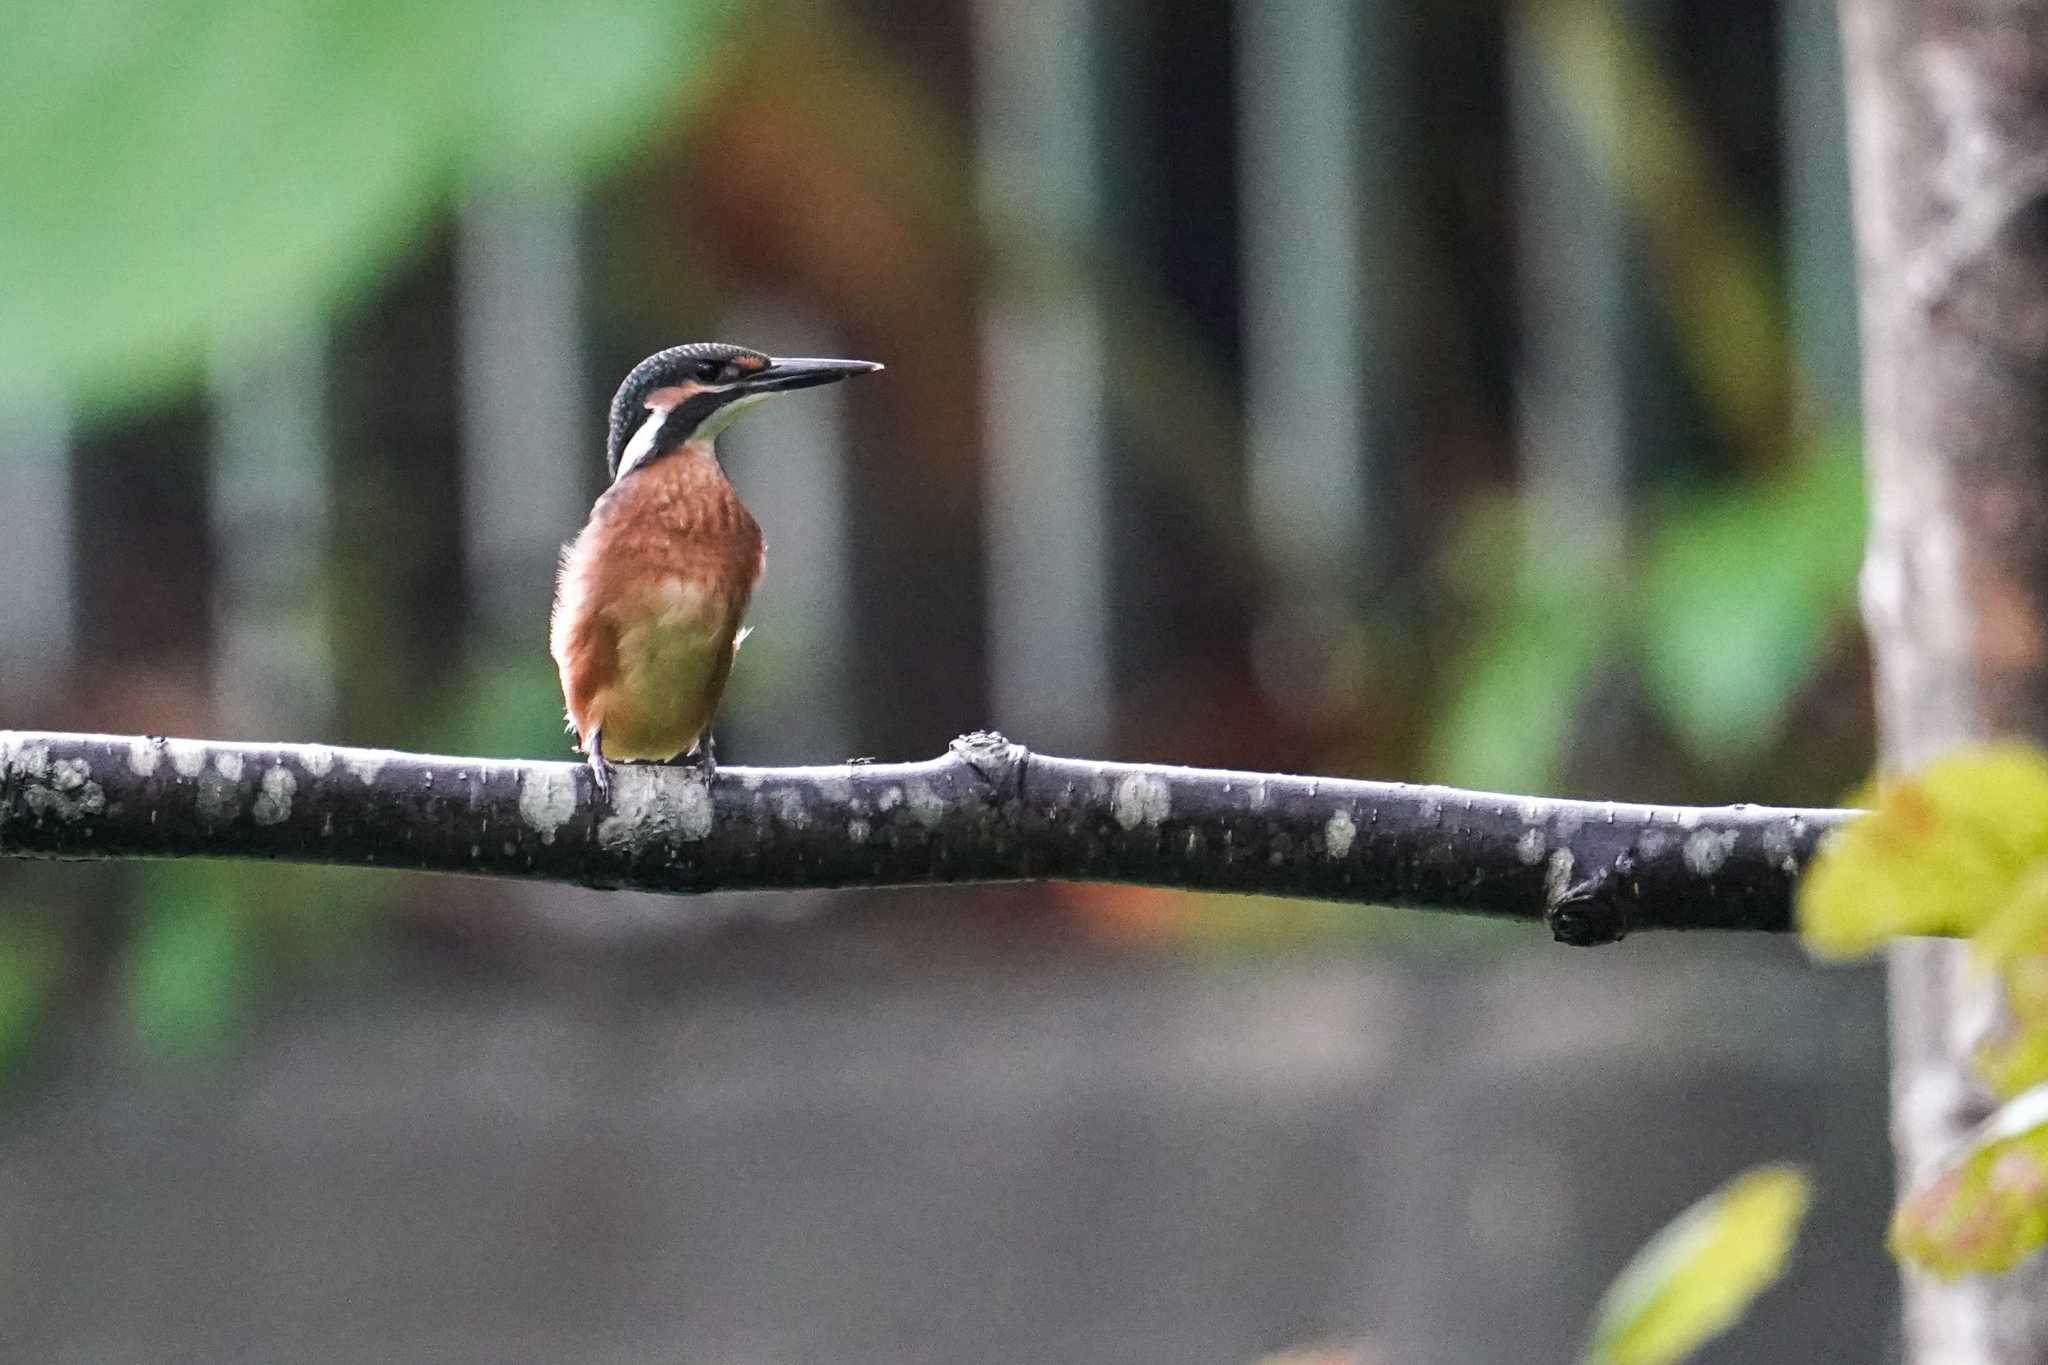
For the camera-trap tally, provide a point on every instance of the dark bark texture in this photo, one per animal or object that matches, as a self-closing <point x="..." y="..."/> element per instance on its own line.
<point x="988" y="810"/>
<point x="1948" y="105"/>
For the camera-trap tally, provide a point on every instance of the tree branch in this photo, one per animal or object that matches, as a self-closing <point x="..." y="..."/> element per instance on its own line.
<point x="988" y="810"/>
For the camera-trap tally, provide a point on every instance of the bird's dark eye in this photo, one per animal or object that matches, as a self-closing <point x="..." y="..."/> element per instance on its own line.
<point x="707" y="371"/>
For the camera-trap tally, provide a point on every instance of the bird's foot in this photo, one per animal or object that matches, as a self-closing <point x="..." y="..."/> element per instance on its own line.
<point x="600" y="766"/>
<point x="703" y="758"/>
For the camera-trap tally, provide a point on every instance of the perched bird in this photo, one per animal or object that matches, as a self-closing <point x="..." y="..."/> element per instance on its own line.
<point x="648" y="604"/>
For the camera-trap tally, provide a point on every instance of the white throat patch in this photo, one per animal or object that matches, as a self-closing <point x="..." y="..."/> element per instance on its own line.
<point x="640" y="449"/>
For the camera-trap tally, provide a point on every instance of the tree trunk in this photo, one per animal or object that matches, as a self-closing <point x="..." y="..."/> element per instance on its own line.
<point x="1948" y="110"/>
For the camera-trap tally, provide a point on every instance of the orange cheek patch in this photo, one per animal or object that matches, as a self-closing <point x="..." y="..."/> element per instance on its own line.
<point x="670" y="397"/>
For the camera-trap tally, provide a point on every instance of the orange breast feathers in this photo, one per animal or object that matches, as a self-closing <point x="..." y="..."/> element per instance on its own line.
<point x="648" y="606"/>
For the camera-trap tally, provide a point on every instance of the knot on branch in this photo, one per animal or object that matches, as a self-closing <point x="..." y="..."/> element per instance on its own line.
<point x="994" y="759"/>
<point x="1592" y="912"/>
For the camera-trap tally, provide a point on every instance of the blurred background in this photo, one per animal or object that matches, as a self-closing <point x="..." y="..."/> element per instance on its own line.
<point x="1461" y="391"/>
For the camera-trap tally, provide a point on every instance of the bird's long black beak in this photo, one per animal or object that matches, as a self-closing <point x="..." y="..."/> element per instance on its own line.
<point x="784" y="375"/>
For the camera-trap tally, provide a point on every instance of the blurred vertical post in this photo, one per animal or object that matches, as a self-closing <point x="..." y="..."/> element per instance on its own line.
<point x="789" y="460"/>
<point x="1818" y="228"/>
<point x="272" y="671"/>
<point x="529" y="438"/>
<point x="1574" y="247"/>
<point x="35" y="527"/>
<point x="1039" y="155"/>
<point x="1312" y="123"/>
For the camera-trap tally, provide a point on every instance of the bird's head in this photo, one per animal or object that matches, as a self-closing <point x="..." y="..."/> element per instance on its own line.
<point x="691" y="393"/>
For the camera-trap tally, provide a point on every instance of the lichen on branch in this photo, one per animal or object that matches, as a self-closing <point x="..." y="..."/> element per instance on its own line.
<point x="987" y="810"/>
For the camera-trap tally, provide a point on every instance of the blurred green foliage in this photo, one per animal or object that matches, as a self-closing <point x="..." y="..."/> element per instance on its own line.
<point x="188" y="967"/>
<point x="32" y="963"/>
<point x="191" y="175"/>
<point x="180" y="173"/>
<point x="1725" y="612"/>
<point x="1711" y="259"/>
<point x="211" y="936"/>
<point x="1726" y="597"/>
<point x="1513" y="707"/>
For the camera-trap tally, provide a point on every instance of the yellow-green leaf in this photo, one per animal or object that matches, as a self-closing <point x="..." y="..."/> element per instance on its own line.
<point x="2026" y="985"/>
<point x="2018" y="929"/>
<point x="2013" y="1059"/>
<point x="1986" y="1209"/>
<point x="2000" y="789"/>
<point x="2014" y="944"/>
<point x="1941" y="853"/>
<point x="1698" y="1276"/>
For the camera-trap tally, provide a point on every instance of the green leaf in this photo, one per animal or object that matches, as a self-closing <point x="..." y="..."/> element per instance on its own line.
<point x="1942" y="852"/>
<point x="1699" y="1275"/>
<point x="1986" y="1209"/>
<point x="1742" y="591"/>
<point x="192" y="172"/>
